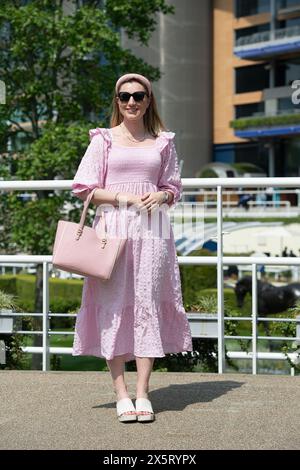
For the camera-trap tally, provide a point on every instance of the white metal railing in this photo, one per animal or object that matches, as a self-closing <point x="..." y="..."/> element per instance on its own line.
<point x="210" y="197"/>
<point x="218" y="260"/>
<point x="266" y="36"/>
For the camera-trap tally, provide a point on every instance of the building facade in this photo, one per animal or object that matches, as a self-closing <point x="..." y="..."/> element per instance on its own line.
<point x="181" y="47"/>
<point x="256" y="55"/>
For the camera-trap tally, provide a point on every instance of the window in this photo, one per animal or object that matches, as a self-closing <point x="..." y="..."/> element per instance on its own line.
<point x="255" y="153"/>
<point x="286" y="71"/>
<point x="251" y="78"/>
<point x="251" y="7"/>
<point x="291" y="157"/>
<point x="248" y="110"/>
<point x="285" y="105"/>
<point x="283" y="24"/>
<point x="281" y="4"/>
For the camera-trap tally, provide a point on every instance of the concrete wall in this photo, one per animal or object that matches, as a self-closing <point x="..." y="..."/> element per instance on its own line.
<point x="181" y="47"/>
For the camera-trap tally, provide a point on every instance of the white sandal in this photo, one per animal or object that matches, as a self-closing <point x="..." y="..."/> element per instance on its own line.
<point x="125" y="405"/>
<point x="143" y="404"/>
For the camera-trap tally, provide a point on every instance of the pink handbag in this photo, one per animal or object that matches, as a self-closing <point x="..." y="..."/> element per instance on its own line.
<point x="79" y="249"/>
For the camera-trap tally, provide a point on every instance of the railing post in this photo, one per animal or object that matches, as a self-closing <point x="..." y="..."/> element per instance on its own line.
<point x="46" y="352"/>
<point x="220" y="282"/>
<point x="254" y="319"/>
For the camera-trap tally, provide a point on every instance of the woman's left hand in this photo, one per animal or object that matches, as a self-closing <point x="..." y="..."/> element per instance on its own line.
<point x="152" y="200"/>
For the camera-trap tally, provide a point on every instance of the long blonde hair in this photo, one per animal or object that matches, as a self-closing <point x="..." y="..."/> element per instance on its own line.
<point x="152" y="121"/>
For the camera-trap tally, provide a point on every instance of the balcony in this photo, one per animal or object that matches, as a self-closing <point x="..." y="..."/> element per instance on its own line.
<point x="262" y="125"/>
<point x="288" y="12"/>
<point x="267" y="43"/>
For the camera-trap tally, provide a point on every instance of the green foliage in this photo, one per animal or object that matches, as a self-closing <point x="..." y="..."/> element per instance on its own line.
<point x="247" y="168"/>
<point x="206" y="173"/>
<point x="288" y="329"/>
<point x="7" y="301"/>
<point x="56" y="154"/>
<point x="202" y="355"/>
<point x="60" y="65"/>
<point x="265" y="121"/>
<point x="135" y="18"/>
<point x="59" y="73"/>
<point x="15" y="358"/>
<point x="64" y="294"/>
<point x="196" y="278"/>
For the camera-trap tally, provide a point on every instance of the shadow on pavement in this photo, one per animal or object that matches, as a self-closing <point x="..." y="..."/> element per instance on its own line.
<point x="179" y="396"/>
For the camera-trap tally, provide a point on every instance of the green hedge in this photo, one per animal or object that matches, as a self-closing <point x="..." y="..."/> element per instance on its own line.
<point x="265" y="121"/>
<point x="196" y="278"/>
<point x="64" y="294"/>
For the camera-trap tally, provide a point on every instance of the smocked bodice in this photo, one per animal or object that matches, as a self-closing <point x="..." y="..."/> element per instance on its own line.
<point x="133" y="164"/>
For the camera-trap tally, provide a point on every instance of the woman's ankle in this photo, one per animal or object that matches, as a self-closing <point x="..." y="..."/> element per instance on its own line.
<point x="142" y="392"/>
<point x="121" y="392"/>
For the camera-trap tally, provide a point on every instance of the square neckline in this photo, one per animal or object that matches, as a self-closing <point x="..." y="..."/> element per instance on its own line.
<point x="128" y="147"/>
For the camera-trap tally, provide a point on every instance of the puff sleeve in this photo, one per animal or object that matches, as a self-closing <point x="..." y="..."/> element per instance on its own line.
<point x="169" y="179"/>
<point x="89" y="174"/>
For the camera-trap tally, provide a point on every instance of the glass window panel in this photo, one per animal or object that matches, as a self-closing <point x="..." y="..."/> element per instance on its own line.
<point x="251" y="78"/>
<point x="251" y="7"/>
<point x="247" y="110"/>
<point x="286" y="71"/>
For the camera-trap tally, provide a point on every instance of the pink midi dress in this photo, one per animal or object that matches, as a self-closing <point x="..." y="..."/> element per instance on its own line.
<point x="139" y="310"/>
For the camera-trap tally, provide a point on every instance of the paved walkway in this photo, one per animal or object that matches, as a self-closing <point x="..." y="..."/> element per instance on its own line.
<point x="76" y="410"/>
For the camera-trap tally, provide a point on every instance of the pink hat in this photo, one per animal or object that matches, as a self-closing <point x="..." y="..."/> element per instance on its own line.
<point x="128" y="76"/>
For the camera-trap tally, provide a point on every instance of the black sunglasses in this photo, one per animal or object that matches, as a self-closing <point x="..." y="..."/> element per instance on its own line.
<point x="124" y="96"/>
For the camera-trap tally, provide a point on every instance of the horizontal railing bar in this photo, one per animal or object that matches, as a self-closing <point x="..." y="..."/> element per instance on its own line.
<point x="14" y="314"/>
<point x="52" y="349"/>
<point x="63" y="315"/>
<point x="238" y="318"/>
<point x="185" y="260"/>
<point x="190" y="315"/>
<point x="239" y="260"/>
<point x="198" y="316"/>
<point x="279" y="320"/>
<point x="230" y="354"/>
<point x="213" y="191"/>
<point x="280" y="338"/>
<point x="238" y="337"/>
<point x="60" y="332"/>
<point x="26" y="314"/>
<point x="248" y="182"/>
<point x="261" y="355"/>
<point x="28" y="332"/>
<point x="26" y="258"/>
<point x="272" y="338"/>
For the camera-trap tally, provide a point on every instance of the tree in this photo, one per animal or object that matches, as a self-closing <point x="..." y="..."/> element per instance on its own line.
<point x="59" y="62"/>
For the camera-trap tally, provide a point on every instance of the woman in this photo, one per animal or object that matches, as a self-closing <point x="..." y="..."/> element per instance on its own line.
<point x="137" y="314"/>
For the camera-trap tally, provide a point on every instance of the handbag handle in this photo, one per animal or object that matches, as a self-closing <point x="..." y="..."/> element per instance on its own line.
<point x="84" y="212"/>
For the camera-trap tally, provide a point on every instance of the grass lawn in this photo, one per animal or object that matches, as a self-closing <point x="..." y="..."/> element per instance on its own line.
<point x="84" y="363"/>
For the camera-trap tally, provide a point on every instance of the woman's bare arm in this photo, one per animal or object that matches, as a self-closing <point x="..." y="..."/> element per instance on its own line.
<point x="103" y="196"/>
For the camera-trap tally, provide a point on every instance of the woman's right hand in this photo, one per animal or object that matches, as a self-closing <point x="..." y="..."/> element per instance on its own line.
<point x="130" y="199"/>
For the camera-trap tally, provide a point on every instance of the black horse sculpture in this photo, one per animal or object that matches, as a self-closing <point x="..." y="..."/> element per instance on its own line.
<point x="270" y="299"/>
